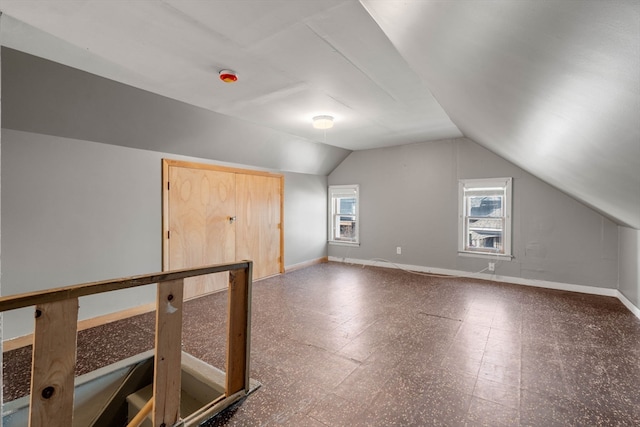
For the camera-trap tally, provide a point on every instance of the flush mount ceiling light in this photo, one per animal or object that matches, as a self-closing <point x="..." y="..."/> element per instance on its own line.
<point x="228" y="76"/>
<point x="323" y="122"/>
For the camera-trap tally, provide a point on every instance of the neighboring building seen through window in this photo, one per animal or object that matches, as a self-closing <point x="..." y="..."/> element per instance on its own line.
<point x="343" y="214"/>
<point x="485" y="216"/>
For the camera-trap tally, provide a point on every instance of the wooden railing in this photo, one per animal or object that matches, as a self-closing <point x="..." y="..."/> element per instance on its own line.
<point x="55" y="336"/>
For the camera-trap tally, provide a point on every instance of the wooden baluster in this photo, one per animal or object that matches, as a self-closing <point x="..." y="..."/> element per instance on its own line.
<point x="238" y="330"/>
<point x="53" y="364"/>
<point x="167" y="367"/>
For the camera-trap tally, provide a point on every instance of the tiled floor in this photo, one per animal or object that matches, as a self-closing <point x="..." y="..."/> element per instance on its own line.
<point x="339" y="345"/>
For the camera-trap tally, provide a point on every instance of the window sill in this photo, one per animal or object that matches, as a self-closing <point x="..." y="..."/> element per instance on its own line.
<point x="335" y="243"/>
<point x="484" y="255"/>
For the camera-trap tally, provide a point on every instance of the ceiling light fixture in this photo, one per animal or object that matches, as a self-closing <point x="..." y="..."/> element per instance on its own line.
<point x="228" y="76"/>
<point x="323" y="122"/>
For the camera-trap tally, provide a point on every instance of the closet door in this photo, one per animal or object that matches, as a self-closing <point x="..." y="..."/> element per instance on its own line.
<point x="214" y="214"/>
<point x="201" y="208"/>
<point x="258" y="232"/>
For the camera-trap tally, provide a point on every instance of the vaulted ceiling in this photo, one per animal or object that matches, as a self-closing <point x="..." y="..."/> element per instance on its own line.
<point x="552" y="86"/>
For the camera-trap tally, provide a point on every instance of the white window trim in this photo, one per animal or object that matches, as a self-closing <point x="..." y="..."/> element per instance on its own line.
<point x="507" y="184"/>
<point x="335" y="189"/>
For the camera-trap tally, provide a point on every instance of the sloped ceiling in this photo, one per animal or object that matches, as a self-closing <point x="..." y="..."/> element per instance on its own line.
<point x="552" y="86"/>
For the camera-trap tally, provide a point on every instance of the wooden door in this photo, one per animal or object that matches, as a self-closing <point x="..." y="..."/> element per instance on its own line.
<point x="258" y="232"/>
<point x="201" y="232"/>
<point x="199" y="201"/>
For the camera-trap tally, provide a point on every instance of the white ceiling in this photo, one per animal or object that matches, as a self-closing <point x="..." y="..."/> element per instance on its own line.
<point x="552" y="86"/>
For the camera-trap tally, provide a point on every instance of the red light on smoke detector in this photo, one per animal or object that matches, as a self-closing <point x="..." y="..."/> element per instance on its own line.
<point x="228" y="76"/>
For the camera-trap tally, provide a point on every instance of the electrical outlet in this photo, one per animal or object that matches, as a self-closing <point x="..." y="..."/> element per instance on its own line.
<point x="399" y="250"/>
<point x="492" y="266"/>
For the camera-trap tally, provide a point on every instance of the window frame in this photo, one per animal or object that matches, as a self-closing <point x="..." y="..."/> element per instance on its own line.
<point x="503" y="185"/>
<point x="333" y="192"/>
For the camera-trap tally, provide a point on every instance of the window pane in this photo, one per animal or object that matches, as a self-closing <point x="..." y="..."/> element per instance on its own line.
<point x="347" y="205"/>
<point x="346" y="229"/>
<point x="484" y="206"/>
<point x="485" y="234"/>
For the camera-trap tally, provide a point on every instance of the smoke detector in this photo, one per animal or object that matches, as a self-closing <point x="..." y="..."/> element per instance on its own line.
<point x="228" y="76"/>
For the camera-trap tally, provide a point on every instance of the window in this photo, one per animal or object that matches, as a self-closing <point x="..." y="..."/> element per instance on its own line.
<point x="343" y="214"/>
<point x="485" y="216"/>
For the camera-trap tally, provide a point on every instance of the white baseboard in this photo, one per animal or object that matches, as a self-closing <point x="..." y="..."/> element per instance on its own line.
<point x="497" y="278"/>
<point x="294" y="267"/>
<point x="632" y="308"/>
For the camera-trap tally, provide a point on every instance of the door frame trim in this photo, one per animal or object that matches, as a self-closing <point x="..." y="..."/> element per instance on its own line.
<point x="166" y="163"/>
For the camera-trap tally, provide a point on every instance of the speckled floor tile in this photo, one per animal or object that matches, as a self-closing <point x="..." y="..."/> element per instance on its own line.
<point x="489" y="414"/>
<point x="335" y="410"/>
<point x="340" y="345"/>
<point x="16" y="369"/>
<point x="502" y="368"/>
<point x="364" y="382"/>
<point x="503" y="394"/>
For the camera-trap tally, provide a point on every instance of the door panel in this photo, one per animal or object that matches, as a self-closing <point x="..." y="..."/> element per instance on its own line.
<point x="258" y="231"/>
<point x="201" y="203"/>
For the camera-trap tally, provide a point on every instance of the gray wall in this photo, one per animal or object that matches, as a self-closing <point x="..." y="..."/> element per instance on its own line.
<point x="629" y="252"/>
<point x="77" y="211"/>
<point x="408" y="198"/>
<point x="305" y="216"/>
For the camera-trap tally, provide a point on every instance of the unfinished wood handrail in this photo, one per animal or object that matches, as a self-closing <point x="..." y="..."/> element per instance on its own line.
<point x="55" y="336"/>
<point x="12" y="302"/>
